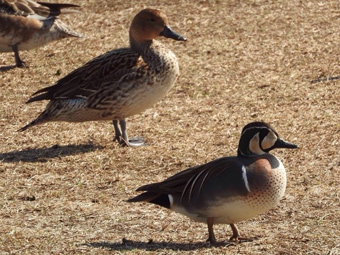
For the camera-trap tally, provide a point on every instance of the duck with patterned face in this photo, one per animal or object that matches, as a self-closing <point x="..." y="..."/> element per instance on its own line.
<point x="26" y="25"/>
<point x="118" y="84"/>
<point x="229" y="189"/>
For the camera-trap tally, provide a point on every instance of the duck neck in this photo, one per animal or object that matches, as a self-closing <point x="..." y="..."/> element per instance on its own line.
<point x="149" y="51"/>
<point x="248" y="154"/>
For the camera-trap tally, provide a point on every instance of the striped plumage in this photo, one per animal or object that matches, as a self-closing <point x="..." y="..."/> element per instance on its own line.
<point x="118" y="84"/>
<point x="229" y="189"/>
<point x="26" y="24"/>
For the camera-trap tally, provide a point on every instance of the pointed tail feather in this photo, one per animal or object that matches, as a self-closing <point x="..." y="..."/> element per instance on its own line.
<point x="42" y="118"/>
<point x="38" y="97"/>
<point x="33" y="123"/>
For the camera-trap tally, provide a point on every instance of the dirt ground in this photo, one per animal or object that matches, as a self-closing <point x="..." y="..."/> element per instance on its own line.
<point x="63" y="186"/>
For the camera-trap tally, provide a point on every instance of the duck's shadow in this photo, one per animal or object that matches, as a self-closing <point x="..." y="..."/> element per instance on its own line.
<point x="42" y="154"/>
<point x="7" y="68"/>
<point x="154" y="246"/>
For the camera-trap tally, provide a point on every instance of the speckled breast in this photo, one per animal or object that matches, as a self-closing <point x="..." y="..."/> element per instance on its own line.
<point x="266" y="186"/>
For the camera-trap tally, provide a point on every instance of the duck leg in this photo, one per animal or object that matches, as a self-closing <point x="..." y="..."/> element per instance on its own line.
<point x="236" y="236"/>
<point x="118" y="134"/>
<point x="122" y="137"/>
<point x="211" y="239"/>
<point x="18" y="61"/>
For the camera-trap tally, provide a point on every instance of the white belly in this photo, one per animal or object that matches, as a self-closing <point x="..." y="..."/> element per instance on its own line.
<point x="227" y="213"/>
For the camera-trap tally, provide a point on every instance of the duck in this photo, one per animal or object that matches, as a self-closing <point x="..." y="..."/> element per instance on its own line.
<point x="118" y="84"/>
<point x="26" y="25"/>
<point x="230" y="189"/>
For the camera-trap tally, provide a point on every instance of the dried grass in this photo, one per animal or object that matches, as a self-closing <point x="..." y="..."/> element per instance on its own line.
<point x="63" y="185"/>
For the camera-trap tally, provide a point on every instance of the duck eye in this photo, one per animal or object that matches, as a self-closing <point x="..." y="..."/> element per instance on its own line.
<point x="152" y="20"/>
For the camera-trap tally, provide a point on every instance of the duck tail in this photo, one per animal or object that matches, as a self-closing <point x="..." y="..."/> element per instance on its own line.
<point x="31" y="124"/>
<point x="152" y="197"/>
<point x="42" y="118"/>
<point x="63" y="28"/>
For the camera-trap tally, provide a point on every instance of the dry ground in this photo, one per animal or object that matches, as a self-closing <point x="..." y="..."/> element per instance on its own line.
<point x="63" y="185"/>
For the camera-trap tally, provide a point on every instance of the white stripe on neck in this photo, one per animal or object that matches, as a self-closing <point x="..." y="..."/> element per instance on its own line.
<point x="245" y="179"/>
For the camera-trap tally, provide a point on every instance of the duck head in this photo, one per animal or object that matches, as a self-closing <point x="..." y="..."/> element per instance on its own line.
<point x="149" y="24"/>
<point x="258" y="138"/>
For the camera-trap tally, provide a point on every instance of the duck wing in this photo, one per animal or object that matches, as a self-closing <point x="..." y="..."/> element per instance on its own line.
<point x="220" y="174"/>
<point x="107" y="70"/>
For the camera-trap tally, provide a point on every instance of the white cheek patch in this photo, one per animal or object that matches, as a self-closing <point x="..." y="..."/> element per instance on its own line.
<point x="269" y="141"/>
<point x="254" y="145"/>
<point x="245" y="179"/>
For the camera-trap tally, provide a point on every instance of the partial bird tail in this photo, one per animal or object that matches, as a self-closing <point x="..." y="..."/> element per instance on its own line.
<point x="152" y="197"/>
<point x="62" y="27"/>
<point x="42" y="118"/>
<point x="31" y="124"/>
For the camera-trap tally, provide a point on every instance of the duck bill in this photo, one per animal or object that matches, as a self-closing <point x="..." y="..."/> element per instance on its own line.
<point x="169" y="33"/>
<point x="283" y="144"/>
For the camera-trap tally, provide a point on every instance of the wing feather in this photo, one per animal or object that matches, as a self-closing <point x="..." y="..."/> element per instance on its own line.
<point x="103" y="74"/>
<point x="183" y="183"/>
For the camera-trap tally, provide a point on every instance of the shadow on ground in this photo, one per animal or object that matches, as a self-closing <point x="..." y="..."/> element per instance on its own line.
<point x="42" y="154"/>
<point x="7" y="68"/>
<point x="127" y="245"/>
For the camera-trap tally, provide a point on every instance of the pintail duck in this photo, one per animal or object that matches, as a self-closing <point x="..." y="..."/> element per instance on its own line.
<point x="230" y="189"/>
<point x="26" y="24"/>
<point x="118" y="84"/>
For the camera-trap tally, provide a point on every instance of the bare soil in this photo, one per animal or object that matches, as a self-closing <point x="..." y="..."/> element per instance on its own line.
<point x="63" y="186"/>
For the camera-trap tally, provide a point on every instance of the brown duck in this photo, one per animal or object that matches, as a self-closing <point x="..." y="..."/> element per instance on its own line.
<point x="118" y="84"/>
